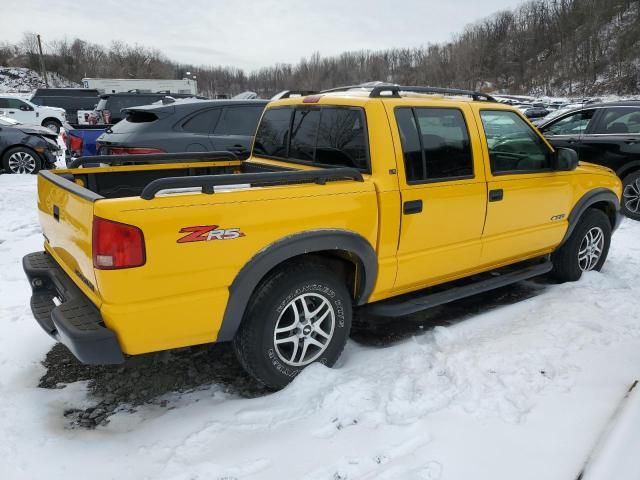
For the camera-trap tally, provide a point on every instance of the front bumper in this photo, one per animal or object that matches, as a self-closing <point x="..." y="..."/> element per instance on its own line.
<point x="75" y="321"/>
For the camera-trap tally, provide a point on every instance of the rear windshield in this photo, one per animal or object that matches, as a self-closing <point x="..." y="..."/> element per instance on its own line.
<point x="135" y="121"/>
<point x="318" y="135"/>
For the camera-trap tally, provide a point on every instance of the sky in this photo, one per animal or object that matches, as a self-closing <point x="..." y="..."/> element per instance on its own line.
<point x="248" y="34"/>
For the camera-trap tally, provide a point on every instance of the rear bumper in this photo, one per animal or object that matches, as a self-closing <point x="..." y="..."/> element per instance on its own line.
<point x="75" y="321"/>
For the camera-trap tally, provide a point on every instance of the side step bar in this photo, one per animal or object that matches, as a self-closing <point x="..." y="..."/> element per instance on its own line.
<point x="412" y="303"/>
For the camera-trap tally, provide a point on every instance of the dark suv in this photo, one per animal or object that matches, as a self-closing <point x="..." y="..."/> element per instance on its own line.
<point x="185" y="126"/>
<point x="71" y="99"/>
<point x="110" y="105"/>
<point x="607" y="134"/>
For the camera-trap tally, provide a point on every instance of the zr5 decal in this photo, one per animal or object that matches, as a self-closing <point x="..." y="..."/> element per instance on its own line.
<point x="204" y="233"/>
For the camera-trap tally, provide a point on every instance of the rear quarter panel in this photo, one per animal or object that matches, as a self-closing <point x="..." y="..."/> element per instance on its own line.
<point x="179" y="296"/>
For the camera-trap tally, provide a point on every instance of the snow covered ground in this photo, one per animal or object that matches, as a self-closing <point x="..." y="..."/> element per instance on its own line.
<point x="518" y="389"/>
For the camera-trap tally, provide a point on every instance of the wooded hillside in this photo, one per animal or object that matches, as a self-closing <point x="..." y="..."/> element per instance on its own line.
<point x="552" y="47"/>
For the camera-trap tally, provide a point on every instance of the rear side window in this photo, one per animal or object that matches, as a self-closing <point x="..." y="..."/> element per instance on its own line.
<point x="239" y="121"/>
<point x="272" y="138"/>
<point x="202" y="122"/>
<point x="435" y="144"/>
<point x="619" y="121"/>
<point x="513" y="146"/>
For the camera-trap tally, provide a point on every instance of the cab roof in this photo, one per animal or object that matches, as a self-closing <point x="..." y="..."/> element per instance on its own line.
<point x="364" y="93"/>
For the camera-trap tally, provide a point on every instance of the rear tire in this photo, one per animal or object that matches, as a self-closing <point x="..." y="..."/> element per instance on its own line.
<point x="631" y="195"/>
<point x="21" y="160"/>
<point x="586" y="248"/>
<point x="298" y="315"/>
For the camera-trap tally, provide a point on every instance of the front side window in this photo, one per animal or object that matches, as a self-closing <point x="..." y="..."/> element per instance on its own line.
<point x="239" y="121"/>
<point x="513" y="146"/>
<point x="574" y="124"/>
<point x="620" y="121"/>
<point x="324" y="136"/>
<point x="435" y="143"/>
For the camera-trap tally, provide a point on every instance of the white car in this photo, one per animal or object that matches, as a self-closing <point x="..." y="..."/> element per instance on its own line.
<point x="31" y="114"/>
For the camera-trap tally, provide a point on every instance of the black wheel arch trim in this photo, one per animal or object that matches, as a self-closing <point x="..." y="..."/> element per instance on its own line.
<point x="589" y="199"/>
<point x="275" y="254"/>
<point x="628" y="168"/>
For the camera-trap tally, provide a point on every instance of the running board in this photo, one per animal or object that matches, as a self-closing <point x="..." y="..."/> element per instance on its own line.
<point x="399" y="307"/>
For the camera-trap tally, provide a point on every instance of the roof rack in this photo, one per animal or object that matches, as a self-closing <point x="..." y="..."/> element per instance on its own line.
<point x="394" y="91"/>
<point x="293" y="93"/>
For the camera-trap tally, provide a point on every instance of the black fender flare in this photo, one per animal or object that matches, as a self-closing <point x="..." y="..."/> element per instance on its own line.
<point x="265" y="260"/>
<point x="586" y="201"/>
<point x="628" y="168"/>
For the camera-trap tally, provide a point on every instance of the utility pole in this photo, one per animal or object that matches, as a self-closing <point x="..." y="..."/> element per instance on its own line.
<point x="44" y="71"/>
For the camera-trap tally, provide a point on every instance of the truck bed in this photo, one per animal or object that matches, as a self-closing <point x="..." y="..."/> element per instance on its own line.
<point x="147" y="175"/>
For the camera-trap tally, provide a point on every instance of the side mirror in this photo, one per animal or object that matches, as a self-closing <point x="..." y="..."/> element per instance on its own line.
<point x="565" y="159"/>
<point x="25" y="108"/>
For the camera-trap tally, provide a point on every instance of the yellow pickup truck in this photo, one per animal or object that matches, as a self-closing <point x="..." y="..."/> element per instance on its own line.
<point x="368" y="201"/>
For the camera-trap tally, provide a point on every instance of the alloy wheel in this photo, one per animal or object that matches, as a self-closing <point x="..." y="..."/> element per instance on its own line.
<point x="631" y="196"/>
<point x="304" y="329"/>
<point x="22" y="162"/>
<point x="591" y="249"/>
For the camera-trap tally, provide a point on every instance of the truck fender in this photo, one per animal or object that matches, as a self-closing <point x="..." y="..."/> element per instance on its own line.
<point x="598" y="195"/>
<point x="275" y="254"/>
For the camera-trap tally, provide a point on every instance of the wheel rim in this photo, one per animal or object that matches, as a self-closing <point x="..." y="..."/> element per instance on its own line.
<point x="304" y="329"/>
<point x="631" y="196"/>
<point x="591" y="249"/>
<point x="22" y="162"/>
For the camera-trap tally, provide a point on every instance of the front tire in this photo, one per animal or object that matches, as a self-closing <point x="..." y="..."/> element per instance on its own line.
<point x="631" y="195"/>
<point x="297" y="316"/>
<point x="586" y="248"/>
<point x="53" y="125"/>
<point x="21" y="160"/>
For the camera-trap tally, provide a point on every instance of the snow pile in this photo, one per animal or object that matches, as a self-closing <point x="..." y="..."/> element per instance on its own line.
<point x="25" y="80"/>
<point x="520" y="390"/>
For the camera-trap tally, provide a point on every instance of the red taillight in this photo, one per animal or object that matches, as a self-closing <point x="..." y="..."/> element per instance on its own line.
<point x="106" y="116"/>
<point x="117" y="245"/>
<point x="75" y="144"/>
<point x="133" y="150"/>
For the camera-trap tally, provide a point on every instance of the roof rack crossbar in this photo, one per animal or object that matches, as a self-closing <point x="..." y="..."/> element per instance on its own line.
<point x="185" y="157"/>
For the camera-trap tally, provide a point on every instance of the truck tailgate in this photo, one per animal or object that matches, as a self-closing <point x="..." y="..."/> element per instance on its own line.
<point x="66" y="217"/>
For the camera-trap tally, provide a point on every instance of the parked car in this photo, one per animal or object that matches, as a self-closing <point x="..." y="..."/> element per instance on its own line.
<point x="350" y="203"/>
<point x="26" y="148"/>
<point x="109" y="107"/>
<point x="29" y="113"/>
<point x="605" y="134"/>
<point x="70" y="99"/>
<point x="537" y="110"/>
<point x="185" y="126"/>
<point x="81" y="140"/>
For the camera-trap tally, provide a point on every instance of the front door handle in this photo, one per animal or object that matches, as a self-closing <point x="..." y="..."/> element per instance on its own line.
<point x="496" y="195"/>
<point x="412" y="206"/>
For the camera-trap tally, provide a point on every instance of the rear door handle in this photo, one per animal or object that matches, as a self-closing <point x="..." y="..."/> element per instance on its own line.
<point x="496" y="195"/>
<point x="412" y="206"/>
<point x="56" y="213"/>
